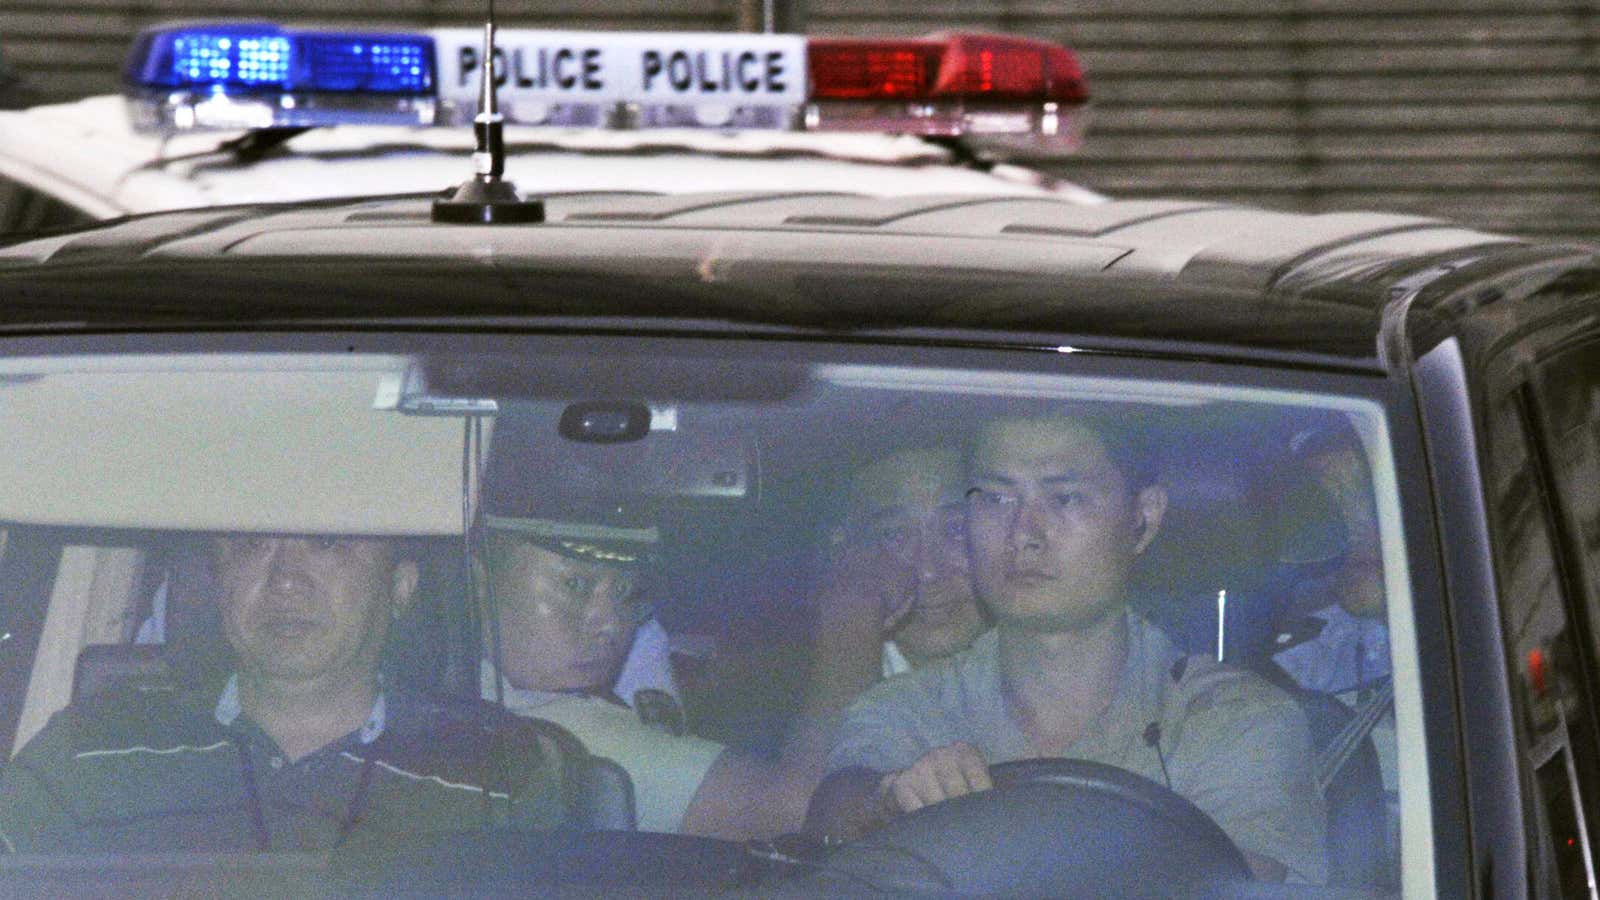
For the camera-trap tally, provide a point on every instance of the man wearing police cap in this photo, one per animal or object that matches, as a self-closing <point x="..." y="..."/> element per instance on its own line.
<point x="567" y="603"/>
<point x="566" y="598"/>
<point x="569" y="530"/>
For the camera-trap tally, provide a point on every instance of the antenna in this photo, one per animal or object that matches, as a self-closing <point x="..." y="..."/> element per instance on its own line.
<point x="487" y="198"/>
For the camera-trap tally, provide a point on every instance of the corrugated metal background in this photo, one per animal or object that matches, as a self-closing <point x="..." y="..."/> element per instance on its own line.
<point x="1487" y="111"/>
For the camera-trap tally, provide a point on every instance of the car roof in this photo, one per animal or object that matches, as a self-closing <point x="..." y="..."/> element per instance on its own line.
<point x="1141" y="273"/>
<point x="87" y="154"/>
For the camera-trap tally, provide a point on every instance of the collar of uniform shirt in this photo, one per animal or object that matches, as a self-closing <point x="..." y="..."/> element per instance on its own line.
<point x="228" y="710"/>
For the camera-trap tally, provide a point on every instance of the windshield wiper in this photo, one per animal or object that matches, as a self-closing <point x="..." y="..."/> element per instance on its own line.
<point x="253" y="145"/>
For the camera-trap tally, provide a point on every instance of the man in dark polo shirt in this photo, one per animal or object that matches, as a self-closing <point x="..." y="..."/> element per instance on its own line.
<point x="301" y="748"/>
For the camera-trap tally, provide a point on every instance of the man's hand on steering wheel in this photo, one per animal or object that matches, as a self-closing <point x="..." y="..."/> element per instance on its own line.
<point x="940" y="774"/>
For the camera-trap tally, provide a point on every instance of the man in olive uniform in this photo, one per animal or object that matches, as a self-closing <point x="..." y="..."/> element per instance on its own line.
<point x="1057" y="511"/>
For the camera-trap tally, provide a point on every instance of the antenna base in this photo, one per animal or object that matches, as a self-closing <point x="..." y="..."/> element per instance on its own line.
<point x="487" y="202"/>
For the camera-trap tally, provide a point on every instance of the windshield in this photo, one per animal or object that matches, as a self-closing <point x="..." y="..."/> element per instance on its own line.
<point x="844" y="616"/>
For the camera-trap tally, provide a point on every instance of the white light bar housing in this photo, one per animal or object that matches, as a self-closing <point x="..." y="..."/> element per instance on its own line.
<point x="999" y="91"/>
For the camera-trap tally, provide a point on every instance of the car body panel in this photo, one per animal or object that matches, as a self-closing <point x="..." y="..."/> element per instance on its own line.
<point x="815" y="257"/>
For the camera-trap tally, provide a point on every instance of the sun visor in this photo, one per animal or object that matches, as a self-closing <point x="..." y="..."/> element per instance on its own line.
<point x="597" y="479"/>
<point x="247" y="443"/>
<point x="672" y="376"/>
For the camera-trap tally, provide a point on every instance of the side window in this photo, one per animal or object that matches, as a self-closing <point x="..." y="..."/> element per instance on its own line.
<point x="1567" y="391"/>
<point x="1539" y="480"/>
<point x="67" y="590"/>
<point x="27" y="574"/>
<point x="23" y="209"/>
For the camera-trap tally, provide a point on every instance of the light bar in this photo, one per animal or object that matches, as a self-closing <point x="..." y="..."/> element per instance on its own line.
<point x="998" y="90"/>
<point x="259" y="76"/>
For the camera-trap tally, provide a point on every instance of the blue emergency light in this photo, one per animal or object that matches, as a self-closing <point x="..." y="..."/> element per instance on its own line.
<point x="253" y="76"/>
<point x="265" y="56"/>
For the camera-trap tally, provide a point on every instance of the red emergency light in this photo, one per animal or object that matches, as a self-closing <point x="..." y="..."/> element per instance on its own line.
<point x="945" y="67"/>
<point x="1025" y="92"/>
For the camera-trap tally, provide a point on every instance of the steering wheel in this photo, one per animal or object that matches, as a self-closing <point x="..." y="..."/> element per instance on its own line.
<point x="1050" y="827"/>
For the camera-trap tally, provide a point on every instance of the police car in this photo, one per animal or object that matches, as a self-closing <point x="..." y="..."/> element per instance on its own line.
<point x="585" y="111"/>
<point x="1376" y="438"/>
